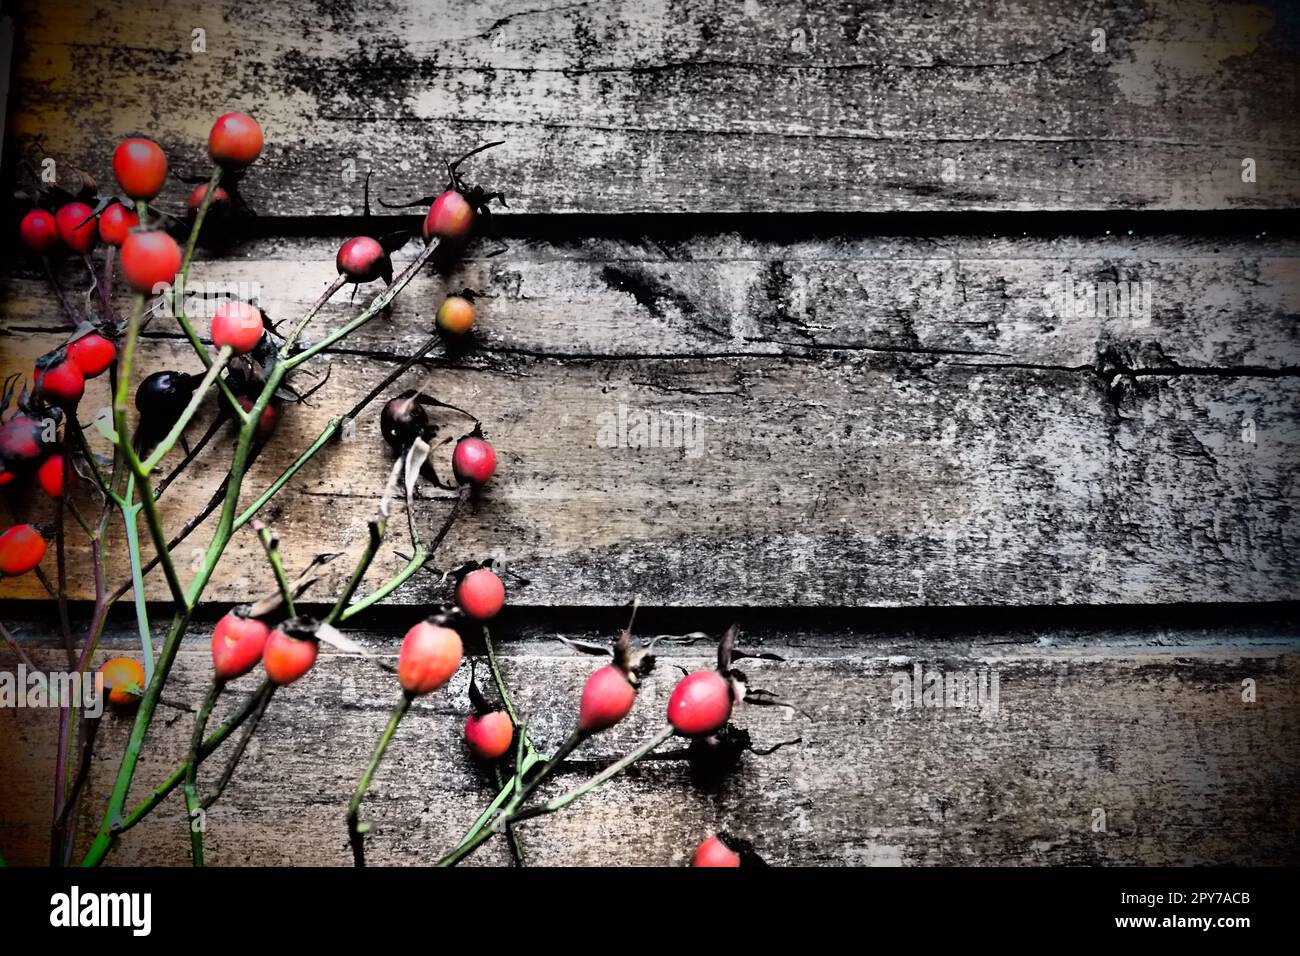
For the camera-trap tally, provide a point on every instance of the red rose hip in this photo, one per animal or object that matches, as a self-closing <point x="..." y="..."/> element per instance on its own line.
<point x="39" y="231"/>
<point x="606" y="698"/>
<point x="235" y="140"/>
<point x="21" y="549"/>
<point x="474" y="461"/>
<point x="92" y="353"/>
<point x="238" y="325"/>
<point x="50" y="476"/>
<point x="450" y="217"/>
<point x="481" y="594"/>
<point x="116" y="222"/>
<point x="76" y="226"/>
<point x="58" y="380"/>
<point x="429" y="657"/>
<point x="150" y="260"/>
<point x="363" y="259"/>
<point x="140" y="168"/>
<point x="237" y="644"/>
<point x="490" y="735"/>
<point x="220" y="198"/>
<point x="286" y="658"/>
<point x="700" y="704"/>
<point x="267" y="421"/>
<point x="713" y="852"/>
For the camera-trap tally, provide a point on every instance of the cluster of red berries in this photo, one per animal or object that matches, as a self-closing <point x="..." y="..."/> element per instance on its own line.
<point x="149" y="258"/>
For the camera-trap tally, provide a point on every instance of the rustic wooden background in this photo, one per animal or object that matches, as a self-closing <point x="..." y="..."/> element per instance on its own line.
<point x="823" y="234"/>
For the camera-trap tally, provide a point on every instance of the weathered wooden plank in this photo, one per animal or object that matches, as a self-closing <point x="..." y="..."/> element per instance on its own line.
<point x="1146" y="726"/>
<point x="1222" y="301"/>
<point x="632" y="106"/>
<point x="889" y="447"/>
<point x="821" y="484"/>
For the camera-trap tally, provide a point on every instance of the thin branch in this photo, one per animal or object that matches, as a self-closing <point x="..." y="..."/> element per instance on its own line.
<point x="272" y="546"/>
<point x="356" y="829"/>
<point x="193" y="814"/>
<point x="263" y="700"/>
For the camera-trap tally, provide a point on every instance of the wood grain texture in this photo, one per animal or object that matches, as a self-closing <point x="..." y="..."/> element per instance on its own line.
<point x="690" y="105"/>
<point x="1146" y="725"/>
<point x="857" y="422"/>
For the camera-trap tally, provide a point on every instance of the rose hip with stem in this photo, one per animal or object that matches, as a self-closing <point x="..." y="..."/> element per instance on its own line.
<point x="607" y="696"/>
<point x="58" y="380"/>
<point x="700" y="704"/>
<point x="489" y="735"/>
<point x="363" y="259"/>
<point x="290" y="651"/>
<point x="430" y="655"/>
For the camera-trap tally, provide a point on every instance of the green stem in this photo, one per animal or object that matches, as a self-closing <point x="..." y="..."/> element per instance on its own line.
<point x="560" y="802"/>
<point x="104" y="842"/>
<point x="178" y="293"/>
<point x="497" y="678"/>
<point x="378" y="525"/>
<point x="388" y="587"/>
<point x="380" y="303"/>
<point x="129" y="510"/>
<point x="512" y="835"/>
<point x="481" y="831"/>
<point x="112" y="819"/>
<point x="332" y="428"/>
<point x="357" y="831"/>
<point x="193" y="813"/>
<point x="105" y="485"/>
<point x="260" y="502"/>
<point x="497" y="803"/>
<point x="342" y="610"/>
<point x="272" y="547"/>
<point x="316" y="307"/>
<point x="153" y="520"/>
<point x="500" y="681"/>
<point x="263" y="700"/>
<point x="81" y="519"/>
